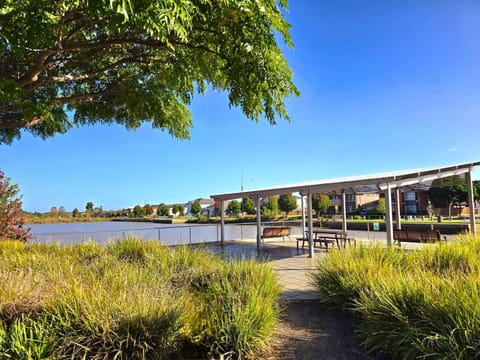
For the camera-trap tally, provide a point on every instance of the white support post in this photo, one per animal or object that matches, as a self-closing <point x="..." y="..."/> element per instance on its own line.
<point x="471" y="202"/>
<point x="222" y="222"/>
<point x="388" y="220"/>
<point x="399" y="217"/>
<point x="310" y="224"/>
<point x="303" y="215"/>
<point x="259" y="224"/>
<point x="344" y="211"/>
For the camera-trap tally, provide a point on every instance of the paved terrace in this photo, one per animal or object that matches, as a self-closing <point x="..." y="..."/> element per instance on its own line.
<point x="293" y="266"/>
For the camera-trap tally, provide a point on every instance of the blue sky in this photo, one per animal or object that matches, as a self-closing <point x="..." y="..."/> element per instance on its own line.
<point x="386" y="85"/>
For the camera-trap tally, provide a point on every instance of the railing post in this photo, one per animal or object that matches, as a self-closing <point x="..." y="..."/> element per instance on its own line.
<point x="83" y="237"/>
<point x="159" y="231"/>
<point x="190" y="235"/>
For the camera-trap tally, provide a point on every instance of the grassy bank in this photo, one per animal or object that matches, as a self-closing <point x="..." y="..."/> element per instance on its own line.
<point x="423" y="304"/>
<point x="132" y="300"/>
<point x="35" y="219"/>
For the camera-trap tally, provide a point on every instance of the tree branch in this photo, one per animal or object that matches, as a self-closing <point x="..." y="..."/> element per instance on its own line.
<point x="12" y="123"/>
<point x="39" y="66"/>
<point x="82" y="98"/>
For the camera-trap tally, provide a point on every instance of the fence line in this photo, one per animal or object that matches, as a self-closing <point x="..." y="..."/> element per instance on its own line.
<point x="170" y="235"/>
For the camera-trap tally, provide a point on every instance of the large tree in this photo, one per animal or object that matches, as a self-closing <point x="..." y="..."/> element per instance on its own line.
<point x="132" y="61"/>
<point x="12" y="220"/>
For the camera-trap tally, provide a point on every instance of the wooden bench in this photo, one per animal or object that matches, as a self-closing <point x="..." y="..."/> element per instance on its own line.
<point x="275" y="232"/>
<point x="417" y="236"/>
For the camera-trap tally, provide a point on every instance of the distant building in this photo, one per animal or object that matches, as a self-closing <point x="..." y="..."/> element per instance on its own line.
<point x="413" y="202"/>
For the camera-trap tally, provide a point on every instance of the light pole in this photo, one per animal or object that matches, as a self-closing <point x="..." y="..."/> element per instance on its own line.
<point x="242" y="181"/>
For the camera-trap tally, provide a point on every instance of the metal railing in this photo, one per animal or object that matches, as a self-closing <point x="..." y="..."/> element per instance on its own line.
<point x="169" y="235"/>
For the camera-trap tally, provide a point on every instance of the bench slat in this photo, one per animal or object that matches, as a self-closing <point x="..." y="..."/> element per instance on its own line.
<point x="419" y="236"/>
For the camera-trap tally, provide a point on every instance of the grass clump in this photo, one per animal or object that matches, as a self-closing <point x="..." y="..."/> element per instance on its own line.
<point x="413" y="305"/>
<point x="132" y="300"/>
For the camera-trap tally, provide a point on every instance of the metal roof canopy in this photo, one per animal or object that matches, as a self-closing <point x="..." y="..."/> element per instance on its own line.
<point x="384" y="182"/>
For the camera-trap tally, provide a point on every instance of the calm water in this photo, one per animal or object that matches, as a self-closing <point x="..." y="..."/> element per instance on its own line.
<point x="102" y="232"/>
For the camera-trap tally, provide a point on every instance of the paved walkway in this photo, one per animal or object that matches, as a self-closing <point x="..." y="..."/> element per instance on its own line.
<point x="292" y="265"/>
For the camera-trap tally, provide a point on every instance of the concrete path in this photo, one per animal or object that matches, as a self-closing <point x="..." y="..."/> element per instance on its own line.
<point x="293" y="266"/>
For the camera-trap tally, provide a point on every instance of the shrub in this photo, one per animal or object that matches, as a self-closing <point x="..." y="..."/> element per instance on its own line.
<point x="12" y="219"/>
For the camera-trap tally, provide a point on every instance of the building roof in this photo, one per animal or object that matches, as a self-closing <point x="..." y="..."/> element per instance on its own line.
<point x="404" y="179"/>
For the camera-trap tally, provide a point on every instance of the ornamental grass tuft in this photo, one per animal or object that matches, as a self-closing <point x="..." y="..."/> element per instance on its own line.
<point x="133" y="299"/>
<point x="410" y="304"/>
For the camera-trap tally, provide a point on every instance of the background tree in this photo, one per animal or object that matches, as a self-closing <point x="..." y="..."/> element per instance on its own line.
<point x="381" y="207"/>
<point x="89" y="208"/>
<point x="53" y="211"/>
<point x="320" y="203"/>
<point x="148" y="210"/>
<point x="178" y="209"/>
<point x="129" y="61"/>
<point x="62" y="211"/>
<point x="233" y="207"/>
<point x="75" y="213"/>
<point x="162" y="210"/>
<point x="287" y="203"/>
<point x="450" y="191"/>
<point x="271" y="208"/>
<point x="138" y="211"/>
<point x="12" y="219"/>
<point x="196" y="208"/>
<point x="248" y="206"/>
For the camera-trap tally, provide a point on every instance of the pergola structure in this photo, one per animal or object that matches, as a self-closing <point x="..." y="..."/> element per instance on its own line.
<point x="377" y="183"/>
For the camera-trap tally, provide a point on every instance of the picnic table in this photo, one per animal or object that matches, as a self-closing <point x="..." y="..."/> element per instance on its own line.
<point x="326" y="237"/>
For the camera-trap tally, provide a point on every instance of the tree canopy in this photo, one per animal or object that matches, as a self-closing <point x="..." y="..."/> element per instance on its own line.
<point x="162" y="210"/>
<point x="132" y="61"/>
<point x="287" y="203"/>
<point x="196" y="208"/>
<point x="320" y="203"/>
<point x="452" y="190"/>
<point x="233" y="207"/>
<point x="248" y="206"/>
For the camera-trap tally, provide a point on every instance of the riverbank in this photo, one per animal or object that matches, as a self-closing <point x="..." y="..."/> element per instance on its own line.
<point x="33" y="219"/>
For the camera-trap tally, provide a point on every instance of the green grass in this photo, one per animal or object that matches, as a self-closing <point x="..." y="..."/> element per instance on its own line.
<point x="412" y="305"/>
<point x="132" y="300"/>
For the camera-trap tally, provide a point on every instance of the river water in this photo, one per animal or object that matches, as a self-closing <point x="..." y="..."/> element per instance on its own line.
<point x="169" y="234"/>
